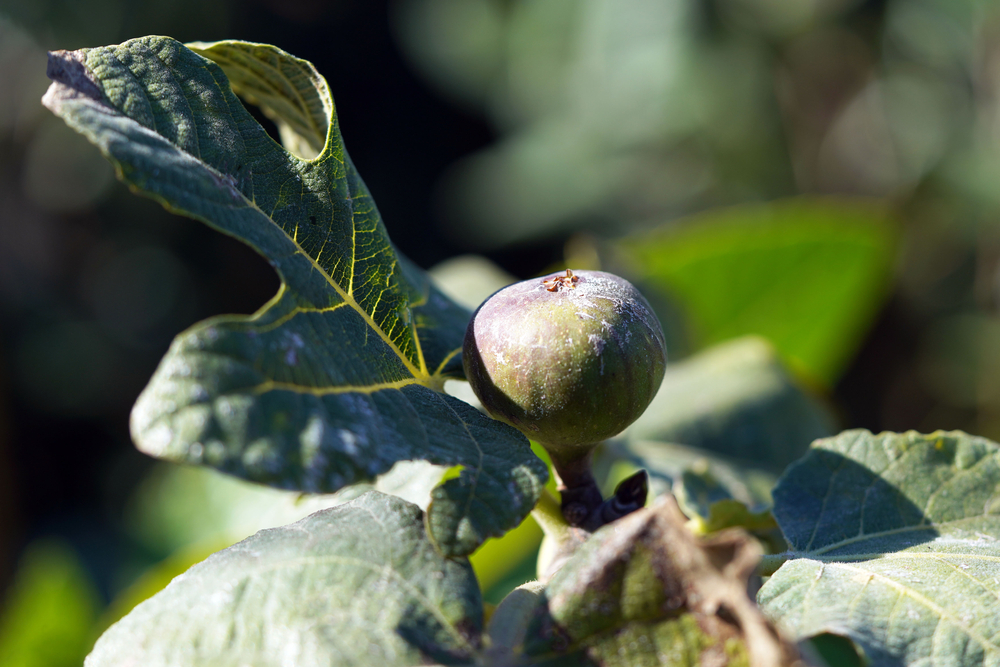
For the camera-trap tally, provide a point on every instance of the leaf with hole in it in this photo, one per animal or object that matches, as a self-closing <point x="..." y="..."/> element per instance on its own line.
<point x="894" y="543"/>
<point x="289" y="91"/>
<point x="357" y="584"/>
<point x="338" y="377"/>
<point x="807" y="274"/>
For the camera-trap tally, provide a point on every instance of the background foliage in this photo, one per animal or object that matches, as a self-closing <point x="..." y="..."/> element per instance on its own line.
<point x="582" y="126"/>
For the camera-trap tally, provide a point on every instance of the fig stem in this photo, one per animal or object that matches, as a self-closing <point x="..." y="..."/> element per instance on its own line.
<point x="629" y="496"/>
<point x="577" y="486"/>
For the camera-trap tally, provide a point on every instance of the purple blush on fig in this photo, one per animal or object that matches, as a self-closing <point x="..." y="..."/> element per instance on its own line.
<point x="568" y="359"/>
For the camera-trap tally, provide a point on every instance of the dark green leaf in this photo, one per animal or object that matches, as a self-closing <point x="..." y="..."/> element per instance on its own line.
<point x="895" y="544"/>
<point x="357" y="584"/>
<point x="808" y="275"/>
<point x="738" y="400"/>
<point x="338" y="377"/>
<point x="835" y="651"/>
<point x="289" y="91"/>
<point x="643" y="590"/>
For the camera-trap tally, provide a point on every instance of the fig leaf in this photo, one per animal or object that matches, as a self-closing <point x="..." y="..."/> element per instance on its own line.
<point x="339" y="376"/>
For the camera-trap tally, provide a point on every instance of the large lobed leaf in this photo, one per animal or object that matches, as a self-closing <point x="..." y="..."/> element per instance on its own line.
<point x="338" y="377"/>
<point x="357" y="584"/>
<point x="895" y="543"/>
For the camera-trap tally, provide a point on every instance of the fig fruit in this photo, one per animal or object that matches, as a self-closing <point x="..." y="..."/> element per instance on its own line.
<point x="569" y="360"/>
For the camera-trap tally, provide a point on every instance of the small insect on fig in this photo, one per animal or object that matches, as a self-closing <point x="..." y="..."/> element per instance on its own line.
<point x="569" y="360"/>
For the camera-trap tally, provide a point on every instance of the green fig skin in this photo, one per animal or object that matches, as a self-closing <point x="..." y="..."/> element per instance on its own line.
<point x="569" y="366"/>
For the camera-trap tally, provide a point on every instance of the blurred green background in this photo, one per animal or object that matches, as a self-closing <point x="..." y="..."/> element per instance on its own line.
<point x="823" y="173"/>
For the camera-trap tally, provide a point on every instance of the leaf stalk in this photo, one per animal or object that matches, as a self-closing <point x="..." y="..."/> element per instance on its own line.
<point x="769" y="563"/>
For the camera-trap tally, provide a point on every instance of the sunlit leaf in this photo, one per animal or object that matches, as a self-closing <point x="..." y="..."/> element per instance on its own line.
<point x="807" y="274"/>
<point x="357" y="584"/>
<point x="289" y="91"/>
<point x="894" y="543"/>
<point x="338" y="377"/>
<point x="156" y="578"/>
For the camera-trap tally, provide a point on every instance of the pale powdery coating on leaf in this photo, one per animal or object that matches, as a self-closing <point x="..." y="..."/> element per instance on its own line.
<point x="354" y="585"/>
<point x="895" y="544"/>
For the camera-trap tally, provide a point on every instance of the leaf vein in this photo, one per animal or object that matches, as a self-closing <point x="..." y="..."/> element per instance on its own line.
<point x="826" y="498"/>
<point x="447" y="358"/>
<point x="941" y="612"/>
<point x="366" y="565"/>
<point x="191" y="115"/>
<point x="961" y="572"/>
<point x="479" y="450"/>
<point x="271" y="385"/>
<point x="956" y="476"/>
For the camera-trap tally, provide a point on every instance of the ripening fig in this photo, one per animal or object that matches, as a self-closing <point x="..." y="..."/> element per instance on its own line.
<point x="569" y="360"/>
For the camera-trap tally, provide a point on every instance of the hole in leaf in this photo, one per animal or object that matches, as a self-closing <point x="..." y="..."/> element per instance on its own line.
<point x="265" y="122"/>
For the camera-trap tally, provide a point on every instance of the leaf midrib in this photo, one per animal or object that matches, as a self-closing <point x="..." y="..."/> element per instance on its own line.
<point x="331" y="559"/>
<point x="348" y="297"/>
<point x="885" y="533"/>
<point x="897" y="555"/>
<point x="273" y="385"/>
<point x="941" y="613"/>
<point x="420" y="373"/>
